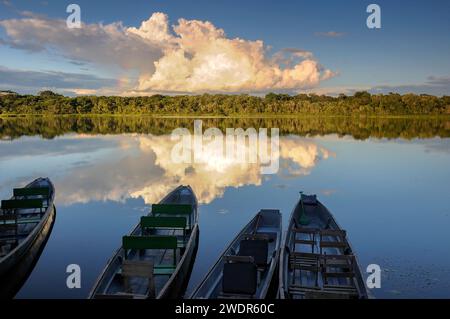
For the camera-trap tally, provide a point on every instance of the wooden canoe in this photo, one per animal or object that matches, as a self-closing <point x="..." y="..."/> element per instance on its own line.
<point x="247" y="266"/>
<point x="317" y="260"/>
<point x="26" y="221"/>
<point x="156" y="260"/>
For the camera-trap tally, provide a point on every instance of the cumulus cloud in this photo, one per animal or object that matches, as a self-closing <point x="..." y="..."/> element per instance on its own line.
<point x="204" y="59"/>
<point x="190" y="56"/>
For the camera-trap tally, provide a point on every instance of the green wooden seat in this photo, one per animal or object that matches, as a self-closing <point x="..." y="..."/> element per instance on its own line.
<point x="7" y="218"/>
<point x="150" y="242"/>
<point x="163" y="222"/>
<point x="150" y="222"/>
<point x="173" y="209"/>
<point x="22" y="204"/>
<point x="164" y="270"/>
<point x="32" y="191"/>
<point x="8" y="226"/>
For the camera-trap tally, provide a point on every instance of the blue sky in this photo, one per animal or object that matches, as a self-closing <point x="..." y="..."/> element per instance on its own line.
<point x="409" y="53"/>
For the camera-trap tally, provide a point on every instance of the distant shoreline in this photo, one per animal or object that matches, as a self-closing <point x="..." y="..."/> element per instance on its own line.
<point x="237" y="116"/>
<point x="361" y="104"/>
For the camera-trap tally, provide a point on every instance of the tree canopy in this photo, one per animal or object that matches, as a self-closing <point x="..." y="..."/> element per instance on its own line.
<point x="48" y="102"/>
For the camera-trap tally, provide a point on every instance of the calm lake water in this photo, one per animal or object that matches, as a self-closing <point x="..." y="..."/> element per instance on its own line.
<point x="387" y="182"/>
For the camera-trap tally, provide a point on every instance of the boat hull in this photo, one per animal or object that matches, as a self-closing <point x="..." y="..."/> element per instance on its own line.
<point x="325" y="215"/>
<point x="210" y="285"/>
<point x="176" y="285"/>
<point x="16" y="267"/>
<point x="21" y="264"/>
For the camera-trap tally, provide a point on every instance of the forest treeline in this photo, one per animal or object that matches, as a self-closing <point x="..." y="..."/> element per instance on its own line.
<point x="359" y="128"/>
<point x="50" y="103"/>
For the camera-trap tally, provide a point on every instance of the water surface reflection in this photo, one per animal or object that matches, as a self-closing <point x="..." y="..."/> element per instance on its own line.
<point x="390" y="195"/>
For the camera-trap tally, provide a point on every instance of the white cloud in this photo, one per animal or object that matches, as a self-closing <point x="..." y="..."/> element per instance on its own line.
<point x="191" y="56"/>
<point x="108" y="44"/>
<point x="155" y="29"/>
<point x="204" y="59"/>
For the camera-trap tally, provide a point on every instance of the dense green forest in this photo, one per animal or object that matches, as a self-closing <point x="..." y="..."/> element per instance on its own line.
<point x="359" y="128"/>
<point x="360" y="103"/>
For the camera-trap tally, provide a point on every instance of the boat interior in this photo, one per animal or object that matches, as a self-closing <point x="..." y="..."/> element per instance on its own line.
<point x="150" y="255"/>
<point x="320" y="261"/>
<point x="22" y="213"/>
<point x="243" y="269"/>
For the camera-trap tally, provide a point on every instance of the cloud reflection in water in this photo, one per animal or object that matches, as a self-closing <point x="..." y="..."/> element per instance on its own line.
<point x="114" y="168"/>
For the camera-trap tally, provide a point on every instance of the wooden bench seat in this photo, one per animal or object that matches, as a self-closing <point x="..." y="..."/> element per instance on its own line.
<point x="31" y="191"/>
<point x="333" y="238"/>
<point x="326" y="292"/>
<point x="7" y="227"/>
<point x="13" y="204"/>
<point x="310" y="232"/>
<point x="161" y="210"/>
<point x="141" y="243"/>
<point x="339" y="267"/>
<point x="299" y="260"/>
